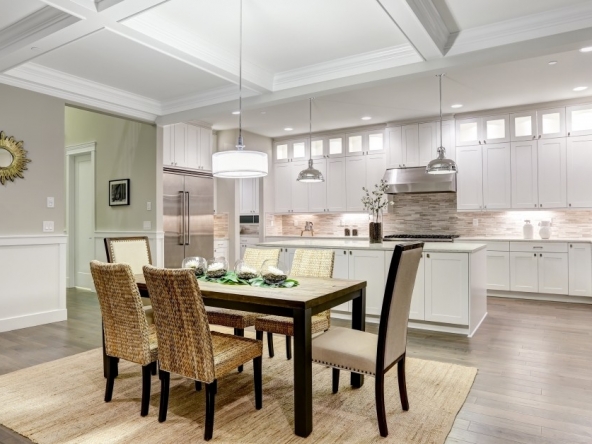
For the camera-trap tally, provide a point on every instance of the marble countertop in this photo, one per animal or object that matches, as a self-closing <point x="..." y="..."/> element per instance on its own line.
<point x="444" y="247"/>
<point x="520" y="239"/>
<point x="316" y="236"/>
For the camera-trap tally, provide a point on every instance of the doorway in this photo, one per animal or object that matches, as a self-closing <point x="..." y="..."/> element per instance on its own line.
<point x="81" y="214"/>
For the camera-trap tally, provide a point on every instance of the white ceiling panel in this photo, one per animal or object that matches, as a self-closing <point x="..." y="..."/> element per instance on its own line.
<point x="12" y="11"/>
<point x="110" y="59"/>
<point x="281" y="35"/>
<point x="459" y="15"/>
<point x="503" y="85"/>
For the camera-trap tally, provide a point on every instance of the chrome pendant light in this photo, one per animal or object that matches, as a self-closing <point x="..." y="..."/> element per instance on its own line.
<point x="441" y="165"/>
<point x="310" y="174"/>
<point x="239" y="163"/>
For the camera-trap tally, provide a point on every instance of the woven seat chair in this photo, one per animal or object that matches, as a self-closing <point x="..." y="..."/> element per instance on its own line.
<point x="366" y="353"/>
<point x="134" y="251"/>
<point x="187" y="347"/>
<point x="239" y="320"/>
<point x="306" y="263"/>
<point x="127" y="334"/>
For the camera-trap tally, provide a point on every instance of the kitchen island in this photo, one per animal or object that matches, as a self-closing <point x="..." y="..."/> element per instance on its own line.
<point x="450" y="289"/>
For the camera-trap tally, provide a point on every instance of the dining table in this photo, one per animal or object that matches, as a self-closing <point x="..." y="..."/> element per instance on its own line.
<point x="301" y="302"/>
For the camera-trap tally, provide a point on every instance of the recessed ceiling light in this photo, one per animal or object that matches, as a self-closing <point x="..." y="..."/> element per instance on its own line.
<point x="366" y="118"/>
<point x="235" y="112"/>
<point x="580" y="88"/>
<point x="586" y="49"/>
<point x="288" y="129"/>
<point x="553" y="62"/>
<point x="456" y="105"/>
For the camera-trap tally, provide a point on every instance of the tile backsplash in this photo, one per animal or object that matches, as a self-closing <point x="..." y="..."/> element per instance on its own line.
<point x="436" y="214"/>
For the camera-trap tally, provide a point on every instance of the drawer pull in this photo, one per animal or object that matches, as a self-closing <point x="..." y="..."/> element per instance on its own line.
<point x="541" y="255"/>
<point x="537" y="247"/>
<point x="535" y="255"/>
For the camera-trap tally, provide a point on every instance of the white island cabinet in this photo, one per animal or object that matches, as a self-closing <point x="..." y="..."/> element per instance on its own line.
<point x="450" y="287"/>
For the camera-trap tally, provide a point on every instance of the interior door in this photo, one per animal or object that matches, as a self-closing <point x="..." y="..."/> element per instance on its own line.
<point x="199" y="195"/>
<point x="173" y="222"/>
<point x="84" y="201"/>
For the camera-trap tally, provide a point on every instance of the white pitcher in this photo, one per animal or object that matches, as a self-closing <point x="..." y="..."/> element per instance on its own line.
<point x="545" y="230"/>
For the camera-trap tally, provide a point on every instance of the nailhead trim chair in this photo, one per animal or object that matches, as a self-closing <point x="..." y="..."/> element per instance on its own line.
<point x="239" y="320"/>
<point x="127" y="334"/>
<point x="361" y="352"/>
<point x="187" y="347"/>
<point x="306" y="263"/>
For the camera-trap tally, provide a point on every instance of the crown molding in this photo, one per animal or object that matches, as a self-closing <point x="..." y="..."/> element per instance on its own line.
<point x="534" y="26"/>
<point x="78" y="90"/>
<point x="35" y="26"/>
<point x="432" y="22"/>
<point x="347" y="66"/>
<point x="209" y="97"/>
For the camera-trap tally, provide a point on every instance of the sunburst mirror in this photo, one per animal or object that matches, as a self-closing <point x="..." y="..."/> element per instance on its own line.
<point x="13" y="158"/>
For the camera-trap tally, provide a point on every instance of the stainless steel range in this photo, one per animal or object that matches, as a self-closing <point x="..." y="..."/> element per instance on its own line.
<point x="420" y="237"/>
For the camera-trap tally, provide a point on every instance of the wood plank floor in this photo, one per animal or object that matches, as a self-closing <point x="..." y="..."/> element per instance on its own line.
<point x="535" y="366"/>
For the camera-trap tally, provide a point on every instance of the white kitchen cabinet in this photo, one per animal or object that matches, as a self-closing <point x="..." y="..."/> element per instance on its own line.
<point x="335" y="146"/>
<point x="497" y="180"/>
<point x="416" y="310"/>
<point x="427" y="142"/>
<point x="553" y="273"/>
<point x="448" y="139"/>
<point x="410" y="145"/>
<point x="281" y="152"/>
<point x="287" y="257"/>
<point x="524" y="164"/>
<point x="318" y="148"/>
<point x="523" y="126"/>
<point x="291" y="151"/>
<point x="469" y="178"/>
<point x="336" y="184"/>
<point x="221" y="248"/>
<point x="368" y="265"/>
<point x="282" y="187"/>
<point x="341" y="271"/>
<point x="468" y="132"/>
<point x="524" y="271"/>
<point x="580" y="269"/>
<point x="187" y="146"/>
<point x="579" y="172"/>
<point x="168" y="140"/>
<point x="374" y="169"/>
<point x="179" y="144"/>
<point x="355" y="174"/>
<point x="249" y="196"/>
<point x="551" y="123"/>
<point x="317" y="192"/>
<point x="355" y="144"/>
<point x="447" y="288"/>
<point x="552" y="178"/>
<point x="299" y="190"/>
<point x="395" y="153"/>
<point x="483" y="130"/>
<point x="498" y="270"/>
<point x="364" y="143"/>
<point x="205" y="149"/>
<point x="579" y="120"/>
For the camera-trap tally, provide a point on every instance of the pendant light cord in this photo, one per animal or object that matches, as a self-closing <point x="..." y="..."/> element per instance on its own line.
<point x="310" y="128"/>
<point x="440" y="83"/>
<point x="240" y="81"/>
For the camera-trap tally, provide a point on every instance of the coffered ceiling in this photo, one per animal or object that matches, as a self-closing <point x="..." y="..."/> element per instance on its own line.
<point x="176" y="60"/>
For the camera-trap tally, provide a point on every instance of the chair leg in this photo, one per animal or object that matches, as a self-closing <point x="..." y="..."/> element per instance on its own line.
<point x="111" y="375"/>
<point x="239" y="332"/>
<point x="154" y="368"/>
<point x="211" y="390"/>
<point x="198" y="386"/>
<point x="146" y="382"/>
<point x="270" y="344"/>
<point x="288" y="347"/>
<point x="402" y="384"/>
<point x="335" y="380"/>
<point x="259" y="335"/>
<point x="380" y="410"/>
<point x="258" y="377"/>
<point x="165" y="380"/>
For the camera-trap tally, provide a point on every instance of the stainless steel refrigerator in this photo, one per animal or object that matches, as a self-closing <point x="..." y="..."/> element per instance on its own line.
<point x="188" y="218"/>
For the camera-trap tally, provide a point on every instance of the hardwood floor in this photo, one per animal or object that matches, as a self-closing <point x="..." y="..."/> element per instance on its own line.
<point x="534" y="358"/>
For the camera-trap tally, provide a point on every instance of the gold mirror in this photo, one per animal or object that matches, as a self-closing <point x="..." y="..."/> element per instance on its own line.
<point x="13" y="159"/>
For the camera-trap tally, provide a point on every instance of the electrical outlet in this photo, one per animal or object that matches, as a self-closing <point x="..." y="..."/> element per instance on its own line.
<point x="148" y="206"/>
<point x="296" y="223"/>
<point x="50" y="202"/>
<point x="147" y="225"/>
<point x="475" y="222"/>
<point x="48" y="226"/>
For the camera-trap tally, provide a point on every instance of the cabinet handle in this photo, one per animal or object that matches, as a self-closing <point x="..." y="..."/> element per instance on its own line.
<point x="534" y="137"/>
<point x="540" y="205"/>
<point x="539" y="136"/>
<point x="479" y="142"/>
<point x="535" y="255"/>
<point x="350" y="252"/>
<point x="535" y="205"/>
<point x="570" y="205"/>
<point x="569" y="134"/>
<point x="344" y="252"/>
<point x="541" y="255"/>
<point x="428" y="255"/>
<point x="484" y="142"/>
<point x="570" y="245"/>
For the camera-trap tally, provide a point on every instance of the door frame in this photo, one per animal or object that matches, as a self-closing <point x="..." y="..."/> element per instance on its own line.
<point x="72" y="152"/>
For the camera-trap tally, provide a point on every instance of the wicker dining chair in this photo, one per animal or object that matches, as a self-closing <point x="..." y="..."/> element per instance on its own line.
<point x="239" y="320"/>
<point x="187" y="347"/>
<point x="127" y="334"/>
<point x="366" y="353"/>
<point x="306" y="263"/>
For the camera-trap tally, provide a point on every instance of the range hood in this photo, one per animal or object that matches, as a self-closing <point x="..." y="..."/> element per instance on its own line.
<point x="416" y="180"/>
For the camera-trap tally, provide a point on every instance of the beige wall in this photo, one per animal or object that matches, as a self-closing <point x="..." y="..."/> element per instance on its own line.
<point x="125" y="149"/>
<point x="38" y="121"/>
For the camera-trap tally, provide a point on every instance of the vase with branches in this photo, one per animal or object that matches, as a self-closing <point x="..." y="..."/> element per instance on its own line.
<point x="375" y="202"/>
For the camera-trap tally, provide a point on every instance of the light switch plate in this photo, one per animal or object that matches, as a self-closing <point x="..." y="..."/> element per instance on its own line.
<point x="148" y="206"/>
<point x="48" y="226"/>
<point x="147" y="225"/>
<point x="50" y="202"/>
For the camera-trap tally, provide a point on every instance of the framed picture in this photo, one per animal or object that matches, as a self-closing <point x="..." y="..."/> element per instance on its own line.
<point x="119" y="192"/>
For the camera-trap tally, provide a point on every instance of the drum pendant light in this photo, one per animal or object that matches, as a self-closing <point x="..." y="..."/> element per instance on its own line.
<point x="239" y="163"/>
<point x="310" y="174"/>
<point x="441" y="165"/>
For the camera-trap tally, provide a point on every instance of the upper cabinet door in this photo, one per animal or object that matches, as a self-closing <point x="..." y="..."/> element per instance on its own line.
<point x="335" y="146"/>
<point x="317" y="148"/>
<point x="579" y="172"/>
<point x="374" y="169"/>
<point x="469" y="178"/>
<point x="523" y="126"/>
<point x="317" y="192"/>
<point x="448" y="138"/>
<point x="524" y="175"/>
<point x="179" y="144"/>
<point x="282" y="187"/>
<point x="496" y="129"/>
<point x="375" y="142"/>
<point x="280" y="152"/>
<point x="497" y="181"/>
<point x="579" y="120"/>
<point x="192" y="154"/>
<point x="355" y="173"/>
<point x="355" y="144"/>
<point x="427" y="142"/>
<point x="335" y="179"/>
<point x="395" y="152"/>
<point x="205" y="148"/>
<point x="468" y="132"/>
<point x="168" y="155"/>
<point x="299" y="189"/>
<point x="551" y="123"/>
<point x="552" y="173"/>
<point x="247" y="196"/>
<point x="410" y="142"/>
<point x="299" y="150"/>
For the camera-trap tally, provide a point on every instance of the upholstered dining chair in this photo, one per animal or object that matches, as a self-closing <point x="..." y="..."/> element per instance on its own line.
<point x="306" y="263"/>
<point x="362" y="352"/>
<point x="187" y="347"/>
<point x="239" y="320"/>
<point x="127" y="334"/>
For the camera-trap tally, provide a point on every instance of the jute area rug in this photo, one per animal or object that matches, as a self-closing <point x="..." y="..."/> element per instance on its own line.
<point x="62" y="402"/>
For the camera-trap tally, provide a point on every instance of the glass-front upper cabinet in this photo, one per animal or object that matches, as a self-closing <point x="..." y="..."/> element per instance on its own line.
<point x="299" y="151"/>
<point x="551" y="123"/>
<point x="376" y="142"/>
<point x="327" y="146"/>
<point x="290" y="150"/>
<point x="355" y="144"/>
<point x="280" y="152"/>
<point x="579" y="120"/>
<point x="336" y="146"/>
<point x="468" y="132"/>
<point x="317" y="148"/>
<point x="359" y="144"/>
<point x="496" y="129"/>
<point x="523" y="126"/>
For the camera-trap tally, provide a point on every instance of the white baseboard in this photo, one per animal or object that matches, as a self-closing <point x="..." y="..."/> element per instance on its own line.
<point x="33" y="319"/>
<point x="540" y="296"/>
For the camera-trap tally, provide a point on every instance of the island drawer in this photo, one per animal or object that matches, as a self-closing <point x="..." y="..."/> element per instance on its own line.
<point x="550" y="247"/>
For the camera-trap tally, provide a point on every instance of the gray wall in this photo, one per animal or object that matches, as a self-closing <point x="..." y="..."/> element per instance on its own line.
<point x="38" y="121"/>
<point x="125" y="150"/>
